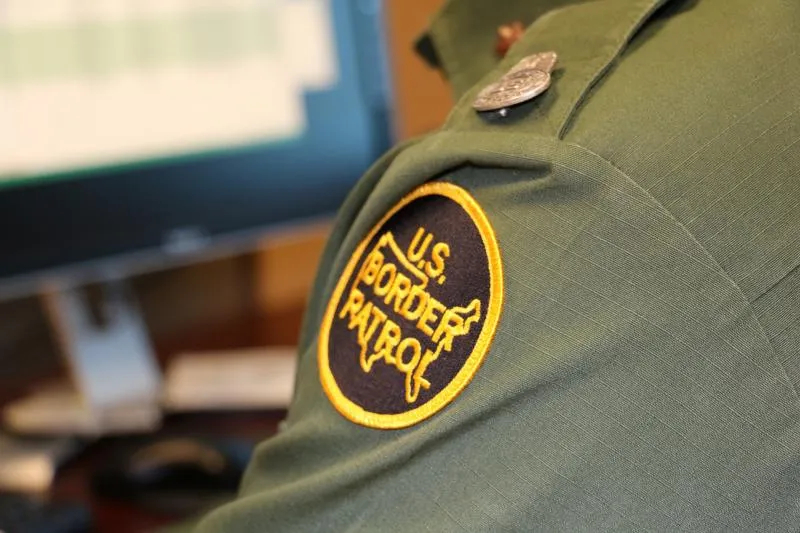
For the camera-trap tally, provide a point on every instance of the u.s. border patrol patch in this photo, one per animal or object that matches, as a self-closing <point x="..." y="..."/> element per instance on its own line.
<point x="414" y="312"/>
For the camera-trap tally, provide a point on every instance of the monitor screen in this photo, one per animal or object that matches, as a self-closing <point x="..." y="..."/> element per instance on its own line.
<point x="160" y="127"/>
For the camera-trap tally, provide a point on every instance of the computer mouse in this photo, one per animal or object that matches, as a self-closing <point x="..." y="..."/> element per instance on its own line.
<point x="175" y="475"/>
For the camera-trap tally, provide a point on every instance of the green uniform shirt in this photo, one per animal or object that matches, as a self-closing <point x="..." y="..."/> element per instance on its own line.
<point x="616" y="265"/>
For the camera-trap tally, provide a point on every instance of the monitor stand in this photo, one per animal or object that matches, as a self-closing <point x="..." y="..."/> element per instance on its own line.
<point x="115" y="379"/>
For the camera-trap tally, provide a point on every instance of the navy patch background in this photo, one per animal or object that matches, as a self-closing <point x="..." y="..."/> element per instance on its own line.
<point x="467" y="269"/>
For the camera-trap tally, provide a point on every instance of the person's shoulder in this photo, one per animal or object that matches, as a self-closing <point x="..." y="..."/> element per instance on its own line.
<point x="701" y="112"/>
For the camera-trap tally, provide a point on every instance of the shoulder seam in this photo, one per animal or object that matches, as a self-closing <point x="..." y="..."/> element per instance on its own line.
<point x="710" y="257"/>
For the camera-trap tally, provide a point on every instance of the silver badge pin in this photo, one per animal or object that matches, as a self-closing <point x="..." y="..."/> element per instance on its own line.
<point x="526" y="80"/>
<point x="546" y="61"/>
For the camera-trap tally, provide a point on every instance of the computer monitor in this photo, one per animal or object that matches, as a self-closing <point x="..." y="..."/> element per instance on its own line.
<point x="138" y="134"/>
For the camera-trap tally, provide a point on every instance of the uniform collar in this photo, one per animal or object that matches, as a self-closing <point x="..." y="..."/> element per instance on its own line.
<point x="460" y="39"/>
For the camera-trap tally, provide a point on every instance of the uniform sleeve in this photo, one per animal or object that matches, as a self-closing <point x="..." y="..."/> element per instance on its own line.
<point x="639" y="370"/>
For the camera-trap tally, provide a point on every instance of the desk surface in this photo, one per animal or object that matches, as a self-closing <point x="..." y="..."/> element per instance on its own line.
<point x="73" y="481"/>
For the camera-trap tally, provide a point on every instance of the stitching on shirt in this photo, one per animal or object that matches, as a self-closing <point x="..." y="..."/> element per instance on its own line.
<point x="708" y="254"/>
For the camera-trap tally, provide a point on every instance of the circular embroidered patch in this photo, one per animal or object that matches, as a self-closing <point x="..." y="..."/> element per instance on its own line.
<point x="414" y="312"/>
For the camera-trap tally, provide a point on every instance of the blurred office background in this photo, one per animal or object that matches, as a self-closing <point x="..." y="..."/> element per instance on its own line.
<point x="186" y="158"/>
<point x="241" y="297"/>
